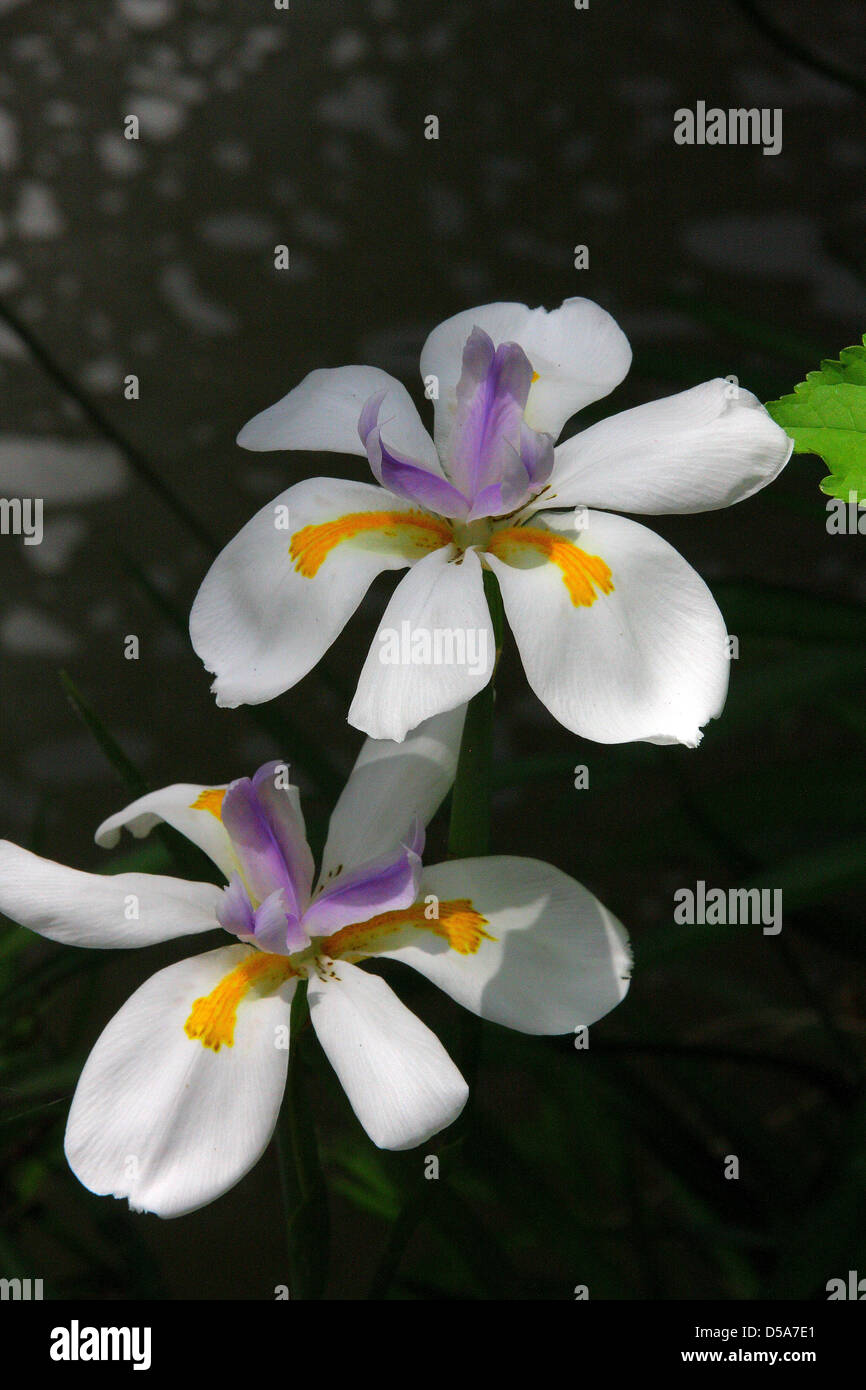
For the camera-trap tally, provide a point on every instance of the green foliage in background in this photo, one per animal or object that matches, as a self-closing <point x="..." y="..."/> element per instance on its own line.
<point x="826" y="415"/>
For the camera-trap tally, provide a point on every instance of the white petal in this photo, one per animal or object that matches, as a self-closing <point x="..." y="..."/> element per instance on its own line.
<point x="161" y="1119"/>
<point x="645" y="662"/>
<point x="174" y="805"/>
<point x="257" y="623"/>
<point x="578" y="352"/>
<point x="389" y="785"/>
<point x="693" y="452"/>
<point x="558" y="959"/>
<point x="323" y="413"/>
<point x="400" y="1081"/>
<point x="433" y="651"/>
<point x="101" y="909"/>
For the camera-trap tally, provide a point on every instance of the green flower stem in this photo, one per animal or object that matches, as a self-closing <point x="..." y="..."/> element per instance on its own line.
<point x="469" y="830"/>
<point x="468" y="836"/>
<point x="305" y="1197"/>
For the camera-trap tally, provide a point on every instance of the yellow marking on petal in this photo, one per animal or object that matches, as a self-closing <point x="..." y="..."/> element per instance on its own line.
<point x="458" y="923"/>
<point x="582" y="573"/>
<point x="210" y="800"/>
<point x="534" y="378"/>
<point x="213" y="1016"/>
<point x="312" y="545"/>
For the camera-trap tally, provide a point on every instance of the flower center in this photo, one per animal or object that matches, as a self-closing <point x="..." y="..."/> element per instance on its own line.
<point x="213" y="1017"/>
<point x="470" y="533"/>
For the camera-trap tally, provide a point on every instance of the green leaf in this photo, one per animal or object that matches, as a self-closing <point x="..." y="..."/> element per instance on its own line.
<point x="305" y="1197"/>
<point x="826" y="415"/>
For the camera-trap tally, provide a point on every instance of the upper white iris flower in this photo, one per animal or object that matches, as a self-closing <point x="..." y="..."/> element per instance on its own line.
<point x="619" y="636"/>
<point x="181" y="1093"/>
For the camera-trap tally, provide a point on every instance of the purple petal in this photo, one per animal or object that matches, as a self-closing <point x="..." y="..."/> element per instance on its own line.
<point x="403" y="476"/>
<point x="282" y="809"/>
<point x="235" y="911"/>
<point x="276" y="929"/>
<point x="258" y="835"/>
<point x="522" y="477"/>
<point x="491" y="398"/>
<point x="381" y="885"/>
<point x="536" y="454"/>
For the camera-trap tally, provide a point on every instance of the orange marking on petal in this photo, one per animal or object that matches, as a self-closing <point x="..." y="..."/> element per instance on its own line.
<point x="312" y="545"/>
<point x="457" y="923"/>
<point x="211" y="799"/>
<point x="582" y="573"/>
<point x="534" y="378"/>
<point x="213" y="1016"/>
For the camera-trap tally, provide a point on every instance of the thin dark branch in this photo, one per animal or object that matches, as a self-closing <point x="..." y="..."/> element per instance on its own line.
<point x="798" y="52"/>
<point x="100" y="422"/>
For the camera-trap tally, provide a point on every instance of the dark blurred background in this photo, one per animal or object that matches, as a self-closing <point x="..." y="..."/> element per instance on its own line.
<point x="261" y="127"/>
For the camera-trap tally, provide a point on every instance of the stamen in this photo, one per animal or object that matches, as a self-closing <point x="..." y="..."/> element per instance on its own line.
<point x="312" y="545"/>
<point x="580" y="570"/>
<point x="213" y="1016"/>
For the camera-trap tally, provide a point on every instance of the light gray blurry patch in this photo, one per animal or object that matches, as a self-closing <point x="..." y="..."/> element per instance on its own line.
<point x="146" y="14"/>
<point x="118" y="156"/>
<point x="238" y="231"/>
<point x="37" y="216"/>
<point x="26" y="631"/>
<point x="349" y="46"/>
<point x="11" y="345"/>
<point x="232" y="155"/>
<point x="8" y="142"/>
<point x="777" y="246"/>
<point x="60" y="471"/>
<point x="191" y="306"/>
<point x="61" y="537"/>
<point x="362" y="105"/>
<point x="159" y="117"/>
<point x="101" y="375"/>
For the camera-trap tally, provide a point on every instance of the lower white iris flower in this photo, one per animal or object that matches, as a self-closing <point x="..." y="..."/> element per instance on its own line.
<point x="619" y="637"/>
<point x="181" y="1092"/>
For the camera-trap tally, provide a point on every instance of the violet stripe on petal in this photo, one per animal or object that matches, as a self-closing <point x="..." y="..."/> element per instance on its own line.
<point x="405" y="477"/>
<point x="261" y="859"/>
<point x="381" y="885"/>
